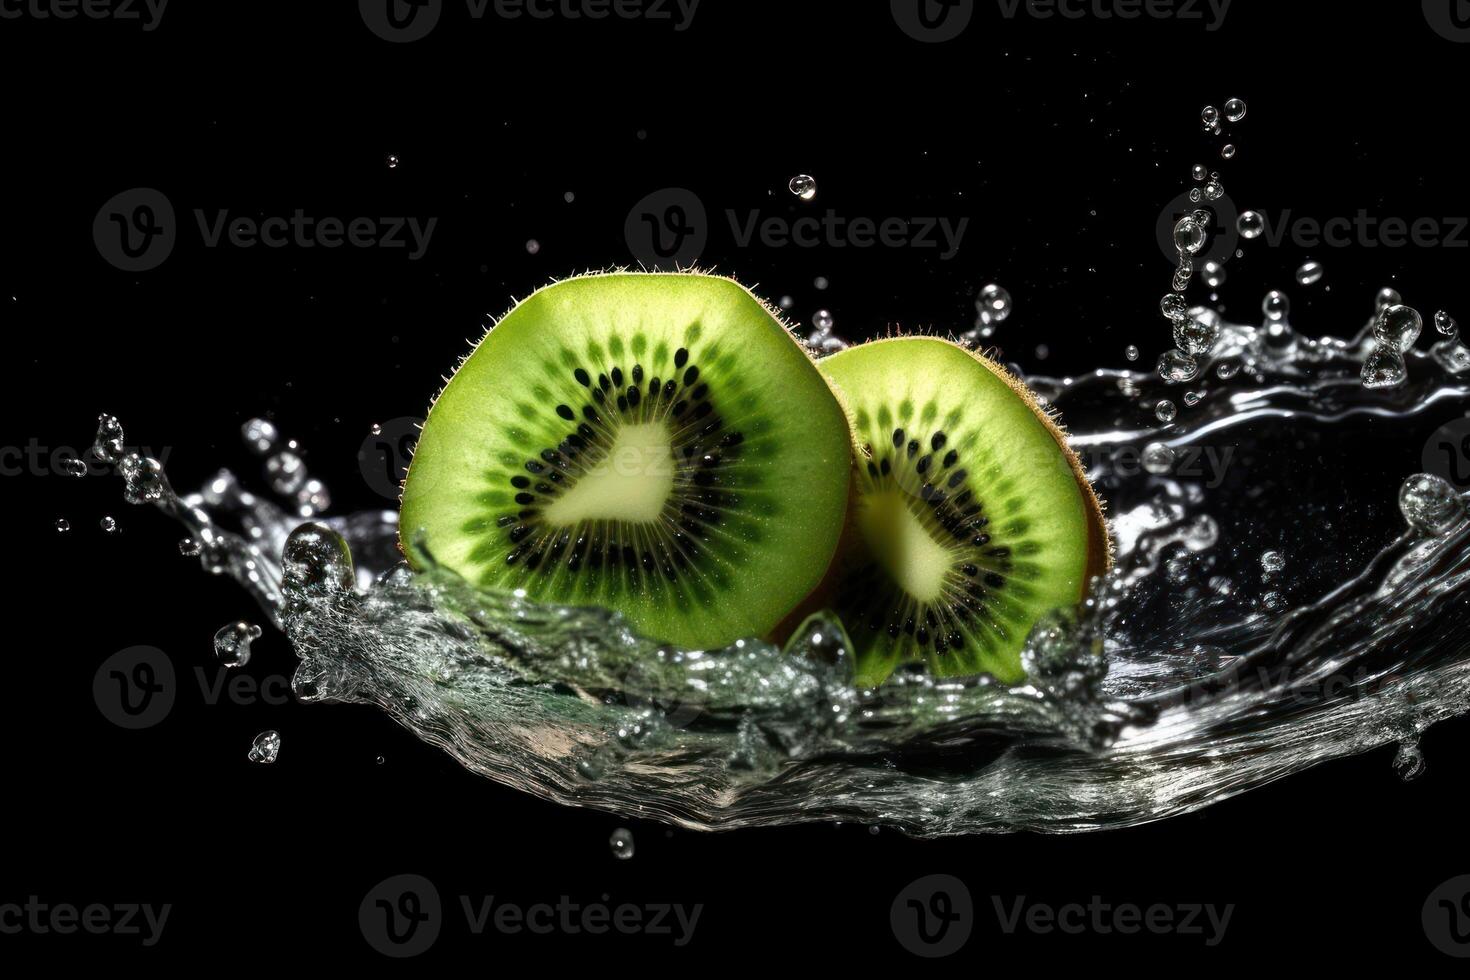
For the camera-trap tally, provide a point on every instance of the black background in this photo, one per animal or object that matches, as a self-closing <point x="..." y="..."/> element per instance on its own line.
<point x="1061" y="141"/>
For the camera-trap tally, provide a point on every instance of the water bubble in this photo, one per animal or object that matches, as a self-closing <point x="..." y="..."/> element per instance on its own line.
<point x="1430" y="503"/>
<point x="1201" y="172"/>
<point x="1174" y="307"/>
<point x="822" y="320"/>
<point x="1166" y="411"/>
<point x="1192" y="398"/>
<point x="392" y="161"/>
<point x="143" y="481"/>
<point x="62" y="525"/>
<point x="1250" y="224"/>
<point x="1131" y="352"/>
<point x="621" y="843"/>
<point x="820" y="282"/>
<point x="1276" y="305"/>
<point x="190" y="548"/>
<point x="1235" y="110"/>
<point x="108" y="525"/>
<point x="1273" y="600"/>
<point x="569" y="196"/>
<point x="232" y="643"/>
<point x="1446" y="324"/>
<point x="1214" y="190"/>
<point x="316" y="559"/>
<point x="265" y="748"/>
<point x="285" y="472"/>
<point x="1177" y="366"/>
<point x="381" y="759"/>
<point x="72" y="466"/>
<point x="1272" y="562"/>
<point x="260" y="435"/>
<point x="1214" y="274"/>
<point x="1451" y="355"/>
<point x="1189" y="235"/>
<point x="1227" y="152"/>
<point x="1158" y="458"/>
<point x="1227" y="370"/>
<point x="108" y="445"/>
<point x="1209" y="115"/>
<point x="994" y="304"/>
<point x="532" y="246"/>
<point x="1384" y="368"/>
<point x="1387" y="296"/>
<point x="1196" y="335"/>
<point x="1196" y="195"/>
<point x="786" y="302"/>
<point x="1408" y="761"/>
<point x="1309" y="274"/>
<point x="1398" y="327"/>
<point x="312" y="498"/>
<point x="803" y="186"/>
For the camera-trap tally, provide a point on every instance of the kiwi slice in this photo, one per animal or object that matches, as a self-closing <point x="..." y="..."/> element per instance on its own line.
<point x="972" y="517"/>
<point x="653" y="443"/>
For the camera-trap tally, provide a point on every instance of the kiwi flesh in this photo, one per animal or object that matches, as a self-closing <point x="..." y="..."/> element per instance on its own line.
<point x="972" y="517"/>
<point x="653" y="443"/>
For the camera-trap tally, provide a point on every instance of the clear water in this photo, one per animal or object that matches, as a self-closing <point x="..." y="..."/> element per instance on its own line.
<point x="1205" y="664"/>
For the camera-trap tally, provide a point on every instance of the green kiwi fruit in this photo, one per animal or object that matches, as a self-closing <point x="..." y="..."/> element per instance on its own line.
<point x="972" y="518"/>
<point x="653" y="443"/>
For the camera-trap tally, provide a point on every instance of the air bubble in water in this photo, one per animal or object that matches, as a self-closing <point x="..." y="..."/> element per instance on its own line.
<point x="1398" y="327"/>
<point x="1309" y="274"/>
<point x="285" y="472"/>
<point x="232" y="643"/>
<point x="108" y="525"/>
<point x="1166" y="411"/>
<point x="260" y="435"/>
<point x="1177" y="366"/>
<point x="621" y="843"/>
<point x="994" y="304"/>
<point x="62" y="525"/>
<point x="1275" y="306"/>
<point x="1446" y="324"/>
<point x="1158" y="458"/>
<point x="1235" y="110"/>
<point x="1272" y="562"/>
<point x="266" y="747"/>
<point x="1131" y="352"/>
<point x="1214" y="274"/>
<point x="1384" y="368"/>
<point x="803" y="186"/>
<point x="1250" y="224"/>
<point x="1429" y="503"/>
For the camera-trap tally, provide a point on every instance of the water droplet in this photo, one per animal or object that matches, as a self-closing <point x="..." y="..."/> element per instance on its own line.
<point x="1166" y="411"/>
<point x="1452" y="355"/>
<point x="1158" y="458"/>
<point x="260" y="436"/>
<point x="1214" y="275"/>
<point x="1192" y="398"/>
<point x="822" y="320"/>
<point x="1310" y="273"/>
<point x="1384" y="368"/>
<point x="1398" y="327"/>
<point x="1387" y="296"/>
<point x="72" y="466"/>
<point x="1214" y="190"/>
<point x="820" y="282"/>
<point x="1201" y="172"/>
<point x="532" y="246"/>
<point x="1196" y="335"/>
<point x="265" y="748"/>
<point x="1276" y="305"/>
<point x="994" y="304"/>
<point x="1430" y="503"/>
<point x="1408" y="761"/>
<point x="377" y="429"/>
<point x="1227" y="152"/>
<point x="1446" y="324"/>
<point x="285" y="472"/>
<point x="787" y="302"/>
<point x="621" y="843"/>
<point x="312" y="498"/>
<point x="1177" y="366"/>
<point x="1227" y="370"/>
<point x="1131" y="353"/>
<point x="108" y="525"/>
<point x="62" y="525"/>
<point x="143" y="481"/>
<point x="190" y="548"/>
<point x="803" y="186"/>
<point x="1209" y="115"/>
<point x="1250" y="224"/>
<point x="232" y="643"/>
<point x="1272" y="562"/>
<point x="1235" y="110"/>
<point x="381" y="759"/>
<point x="1189" y="235"/>
<point x="1174" y="307"/>
<point x="108" y="445"/>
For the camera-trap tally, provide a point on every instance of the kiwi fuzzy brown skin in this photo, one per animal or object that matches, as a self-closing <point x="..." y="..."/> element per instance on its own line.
<point x="858" y="557"/>
<point x="631" y="304"/>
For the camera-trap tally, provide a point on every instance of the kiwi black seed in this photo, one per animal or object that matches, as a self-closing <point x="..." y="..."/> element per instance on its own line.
<point x="657" y="444"/>
<point x="973" y="518"/>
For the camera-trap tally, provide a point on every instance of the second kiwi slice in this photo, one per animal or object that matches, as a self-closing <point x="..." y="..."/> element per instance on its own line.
<point x="657" y="444"/>
<point x="973" y="519"/>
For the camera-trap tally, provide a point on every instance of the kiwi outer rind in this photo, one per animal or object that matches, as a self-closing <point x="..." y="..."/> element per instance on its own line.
<point x="782" y="628"/>
<point x="1099" y="557"/>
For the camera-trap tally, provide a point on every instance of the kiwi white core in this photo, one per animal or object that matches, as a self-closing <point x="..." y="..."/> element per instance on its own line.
<point x="902" y="546"/>
<point x="632" y="484"/>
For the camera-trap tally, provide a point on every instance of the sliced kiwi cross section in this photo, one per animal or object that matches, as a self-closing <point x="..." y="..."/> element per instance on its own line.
<point x="657" y="444"/>
<point x="972" y="517"/>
